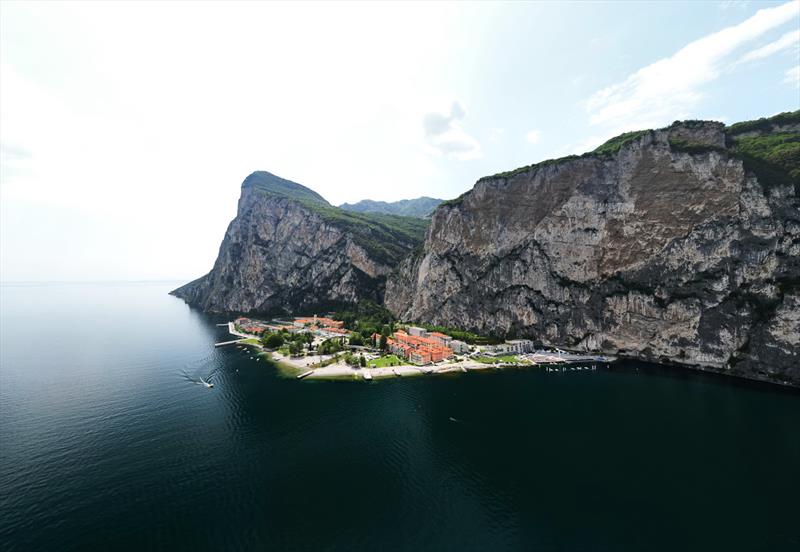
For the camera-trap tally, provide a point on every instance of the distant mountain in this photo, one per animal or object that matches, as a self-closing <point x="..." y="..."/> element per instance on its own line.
<point x="422" y="207"/>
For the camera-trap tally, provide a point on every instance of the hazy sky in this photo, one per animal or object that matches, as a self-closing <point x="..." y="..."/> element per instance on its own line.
<point x="127" y="129"/>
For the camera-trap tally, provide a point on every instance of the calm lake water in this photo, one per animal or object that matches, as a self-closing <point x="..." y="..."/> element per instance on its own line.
<point x="106" y="443"/>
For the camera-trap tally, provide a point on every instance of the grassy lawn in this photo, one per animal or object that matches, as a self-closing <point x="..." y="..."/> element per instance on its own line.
<point x="384" y="361"/>
<point x="251" y="341"/>
<point x="508" y="359"/>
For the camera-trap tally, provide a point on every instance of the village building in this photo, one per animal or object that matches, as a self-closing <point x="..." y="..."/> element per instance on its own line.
<point x="319" y="322"/>
<point x="514" y="346"/>
<point x="418" y="349"/>
<point x="520" y="346"/>
<point x="458" y="346"/>
<point x="441" y="338"/>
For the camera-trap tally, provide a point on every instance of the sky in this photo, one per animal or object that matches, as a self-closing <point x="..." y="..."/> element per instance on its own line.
<point x="126" y="129"/>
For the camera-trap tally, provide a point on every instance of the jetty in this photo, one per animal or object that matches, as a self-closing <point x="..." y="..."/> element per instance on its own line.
<point x="305" y="374"/>
<point x="228" y="343"/>
<point x="367" y="375"/>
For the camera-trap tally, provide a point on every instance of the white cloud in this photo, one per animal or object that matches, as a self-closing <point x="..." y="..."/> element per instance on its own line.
<point x="792" y="76"/>
<point x="670" y="88"/>
<point x="729" y="4"/>
<point x="445" y="135"/>
<point x="788" y="40"/>
<point x="534" y="136"/>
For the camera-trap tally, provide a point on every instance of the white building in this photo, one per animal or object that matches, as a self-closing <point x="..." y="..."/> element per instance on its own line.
<point x="419" y="332"/>
<point x="520" y="346"/>
<point x="515" y="346"/>
<point x="459" y="346"/>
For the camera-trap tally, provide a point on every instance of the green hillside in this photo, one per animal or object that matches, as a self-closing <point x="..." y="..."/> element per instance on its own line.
<point x="387" y="238"/>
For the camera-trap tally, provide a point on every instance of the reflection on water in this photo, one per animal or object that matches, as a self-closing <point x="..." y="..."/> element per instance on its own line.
<point x="108" y="442"/>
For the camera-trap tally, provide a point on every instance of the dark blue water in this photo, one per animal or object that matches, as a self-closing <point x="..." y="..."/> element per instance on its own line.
<point x="106" y="443"/>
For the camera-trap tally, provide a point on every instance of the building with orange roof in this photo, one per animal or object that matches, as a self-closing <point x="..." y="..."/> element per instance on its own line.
<point x="419" y="350"/>
<point x="319" y="322"/>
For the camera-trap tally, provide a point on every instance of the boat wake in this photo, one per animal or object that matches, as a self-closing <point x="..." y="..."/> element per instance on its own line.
<point x="201" y="375"/>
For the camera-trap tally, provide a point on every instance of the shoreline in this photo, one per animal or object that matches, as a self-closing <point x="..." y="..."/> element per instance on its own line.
<point x="290" y="367"/>
<point x="302" y="367"/>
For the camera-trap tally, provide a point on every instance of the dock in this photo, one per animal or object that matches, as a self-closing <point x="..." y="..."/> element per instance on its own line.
<point x="227" y="343"/>
<point x="367" y="375"/>
<point x="305" y="374"/>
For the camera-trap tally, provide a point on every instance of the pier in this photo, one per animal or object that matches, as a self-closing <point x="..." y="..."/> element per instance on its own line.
<point x="305" y="374"/>
<point x="228" y="343"/>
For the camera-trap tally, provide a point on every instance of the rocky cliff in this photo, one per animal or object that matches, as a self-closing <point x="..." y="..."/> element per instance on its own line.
<point x="289" y="250"/>
<point x="674" y="245"/>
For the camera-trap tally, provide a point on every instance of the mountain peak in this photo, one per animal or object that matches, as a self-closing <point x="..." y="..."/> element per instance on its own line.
<point x="281" y="187"/>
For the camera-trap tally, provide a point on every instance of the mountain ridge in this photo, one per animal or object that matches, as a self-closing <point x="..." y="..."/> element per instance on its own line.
<point x="420" y="207"/>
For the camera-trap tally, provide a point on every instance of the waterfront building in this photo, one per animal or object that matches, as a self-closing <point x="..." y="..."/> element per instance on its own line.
<point x="520" y="346"/>
<point x="458" y="346"/>
<point x="441" y="338"/>
<point x="417" y="349"/>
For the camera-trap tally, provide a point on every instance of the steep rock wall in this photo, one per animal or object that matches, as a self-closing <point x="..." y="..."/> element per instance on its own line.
<point x="667" y="250"/>
<point x="280" y="256"/>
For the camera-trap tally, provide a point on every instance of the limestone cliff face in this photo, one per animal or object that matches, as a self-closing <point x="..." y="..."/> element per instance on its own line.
<point x="286" y="251"/>
<point x="669" y="249"/>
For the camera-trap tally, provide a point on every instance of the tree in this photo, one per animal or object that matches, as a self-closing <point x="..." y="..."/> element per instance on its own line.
<point x="274" y="341"/>
<point x="383" y="342"/>
<point x="295" y="348"/>
<point x="356" y="340"/>
<point x="362" y="361"/>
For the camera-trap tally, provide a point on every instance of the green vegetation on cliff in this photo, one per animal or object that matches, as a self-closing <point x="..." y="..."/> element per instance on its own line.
<point x="765" y="124"/>
<point x="613" y="145"/>
<point x="769" y="149"/>
<point x="387" y="238"/>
